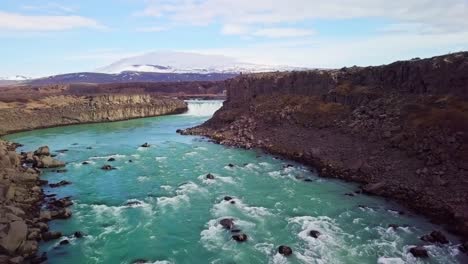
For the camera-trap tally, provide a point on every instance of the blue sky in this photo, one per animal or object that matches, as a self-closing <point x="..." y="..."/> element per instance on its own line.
<point x="41" y="37"/>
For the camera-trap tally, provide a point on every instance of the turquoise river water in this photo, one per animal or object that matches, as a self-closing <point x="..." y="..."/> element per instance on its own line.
<point x="176" y="210"/>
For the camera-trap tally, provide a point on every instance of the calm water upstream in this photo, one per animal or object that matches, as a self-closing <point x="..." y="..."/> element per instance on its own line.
<point x="176" y="219"/>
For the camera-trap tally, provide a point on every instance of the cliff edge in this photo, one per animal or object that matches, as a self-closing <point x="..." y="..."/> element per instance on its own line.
<point x="71" y="109"/>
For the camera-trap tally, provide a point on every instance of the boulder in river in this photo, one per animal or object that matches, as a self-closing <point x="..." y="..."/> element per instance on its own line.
<point x="59" y="184"/>
<point x="284" y="250"/>
<point x="107" y="167"/>
<point x="210" y="176"/>
<point x="42" y="151"/>
<point x="146" y="145"/>
<point x="78" y="234"/>
<point x="111" y="159"/>
<point x="47" y="162"/>
<point x="227" y="198"/>
<point x="435" y="237"/>
<point x="419" y="252"/>
<point x="241" y="237"/>
<point x="62" y="203"/>
<point x="314" y="233"/>
<point x="51" y="235"/>
<point x="227" y="223"/>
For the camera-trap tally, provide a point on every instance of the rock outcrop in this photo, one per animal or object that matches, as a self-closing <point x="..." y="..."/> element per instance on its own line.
<point x="400" y="129"/>
<point x="20" y="203"/>
<point x="67" y="110"/>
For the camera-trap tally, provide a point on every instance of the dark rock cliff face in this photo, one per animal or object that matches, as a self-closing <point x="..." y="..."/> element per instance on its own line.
<point x="67" y="110"/>
<point x="439" y="75"/>
<point x="401" y="130"/>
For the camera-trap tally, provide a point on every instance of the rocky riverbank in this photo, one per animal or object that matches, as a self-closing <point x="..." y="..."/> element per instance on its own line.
<point x="24" y="208"/>
<point x="401" y="130"/>
<point x="62" y="110"/>
<point x="23" y="221"/>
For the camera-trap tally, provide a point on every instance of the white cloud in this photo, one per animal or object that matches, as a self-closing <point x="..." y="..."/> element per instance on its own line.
<point x="283" y="32"/>
<point x="51" y="7"/>
<point x="234" y="29"/>
<point x="19" y="22"/>
<point x="442" y="16"/>
<point x="328" y="53"/>
<point x="152" y="29"/>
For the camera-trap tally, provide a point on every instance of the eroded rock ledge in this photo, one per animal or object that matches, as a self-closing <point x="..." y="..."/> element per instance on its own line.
<point x="401" y="130"/>
<point x="22" y="224"/>
<point x="67" y="110"/>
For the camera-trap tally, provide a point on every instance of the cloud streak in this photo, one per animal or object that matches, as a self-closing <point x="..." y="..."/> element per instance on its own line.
<point x="430" y="15"/>
<point x="41" y="23"/>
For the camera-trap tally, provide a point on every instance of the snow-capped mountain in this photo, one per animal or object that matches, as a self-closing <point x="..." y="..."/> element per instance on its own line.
<point x="15" y="78"/>
<point x="185" y="62"/>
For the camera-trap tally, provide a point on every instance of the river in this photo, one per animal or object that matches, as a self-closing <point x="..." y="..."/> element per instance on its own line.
<point x="158" y="205"/>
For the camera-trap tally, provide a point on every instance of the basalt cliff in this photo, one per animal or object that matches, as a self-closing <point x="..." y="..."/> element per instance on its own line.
<point x="400" y="130"/>
<point x="59" y="110"/>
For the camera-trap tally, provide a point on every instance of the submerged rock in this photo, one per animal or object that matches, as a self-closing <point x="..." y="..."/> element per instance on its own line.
<point x="240" y="237"/>
<point x="64" y="242"/>
<point x="227" y="223"/>
<point x="419" y="252"/>
<point x="227" y="198"/>
<point x="107" y="167"/>
<point x="111" y="159"/>
<point x="78" y="234"/>
<point x="146" y="145"/>
<point x="132" y="203"/>
<point x="210" y="176"/>
<point x="59" y="184"/>
<point x="285" y="250"/>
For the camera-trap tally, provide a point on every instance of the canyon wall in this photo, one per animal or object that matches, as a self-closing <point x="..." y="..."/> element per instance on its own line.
<point x="439" y="75"/>
<point x="401" y="130"/>
<point x="70" y="109"/>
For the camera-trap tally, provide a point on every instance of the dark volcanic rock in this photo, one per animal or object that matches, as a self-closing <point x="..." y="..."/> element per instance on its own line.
<point x="107" y="167"/>
<point x="240" y="237"/>
<point x="62" y="203"/>
<point x="314" y="233"/>
<point x="78" y="234"/>
<point x="64" y="242"/>
<point x="227" y="223"/>
<point x="435" y="237"/>
<point x="419" y="252"/>
<point x="59" y="184"/>
<point x="285" y="250"/>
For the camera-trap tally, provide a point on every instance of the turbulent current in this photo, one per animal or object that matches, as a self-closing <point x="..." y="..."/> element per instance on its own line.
<point x="157" y="206"/>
